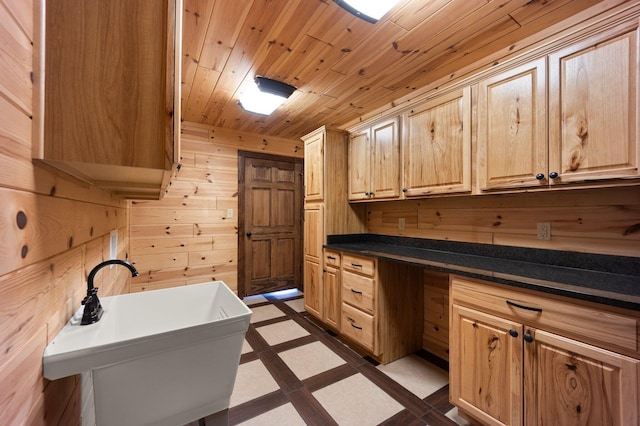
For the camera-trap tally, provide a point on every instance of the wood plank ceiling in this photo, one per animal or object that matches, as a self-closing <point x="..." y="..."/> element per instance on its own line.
<point x="342" y="66"/>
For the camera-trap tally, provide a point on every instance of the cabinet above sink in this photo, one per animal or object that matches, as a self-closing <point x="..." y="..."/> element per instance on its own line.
<point x="109" y="93"/>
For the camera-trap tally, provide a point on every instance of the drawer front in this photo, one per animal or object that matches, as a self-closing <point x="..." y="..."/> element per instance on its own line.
<point x="577" y="320"/>
<point x="332" y="258"/>
<point x="358" y="291"/>
<point x="360" y="265"/>
<point x="359" y="326"/>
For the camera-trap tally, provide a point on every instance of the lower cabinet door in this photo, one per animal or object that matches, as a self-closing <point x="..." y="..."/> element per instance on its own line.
<point x="579" y="384"/>
<point x="486" y="378"/>
<point x="313" y="294"/>
<point x="332" y="300"/>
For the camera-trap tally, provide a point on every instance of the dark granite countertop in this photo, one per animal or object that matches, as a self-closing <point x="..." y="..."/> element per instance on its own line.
<point x="612" y="280"/>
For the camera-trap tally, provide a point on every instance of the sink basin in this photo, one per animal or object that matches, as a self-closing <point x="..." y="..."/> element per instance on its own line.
<point x="166" y="356"/>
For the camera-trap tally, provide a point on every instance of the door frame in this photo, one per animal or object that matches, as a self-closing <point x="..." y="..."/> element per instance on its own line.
<point x="242" y="156"/>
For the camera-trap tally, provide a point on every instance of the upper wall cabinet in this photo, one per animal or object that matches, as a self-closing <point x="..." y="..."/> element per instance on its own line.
<point x="374" y="162"/>
<point x="593" y="108"/>
<point x="512" y="128"/>
<point x="437" y="146"/>
<point x="592" y="111"/>
<point x="111" y="87"/>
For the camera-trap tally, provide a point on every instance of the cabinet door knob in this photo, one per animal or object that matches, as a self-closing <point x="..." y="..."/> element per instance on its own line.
<point x="528" y="338"/>
<point x="553" y="175"/>
<point x="249" y="234"/>
<point x="371" y="193"/>
<point x="540" y="176"/>
<point x="404" y="189"/>
<point x="513" y="333"/>
<point x="366" y="194"/>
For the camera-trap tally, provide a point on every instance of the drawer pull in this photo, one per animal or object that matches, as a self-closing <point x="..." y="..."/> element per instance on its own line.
<point x="352" y="321"/>
<point x="356" y="265"/>
<point x="331" y="258"/>
<point x="528" y="308"/>
<point x="356" y="291"/>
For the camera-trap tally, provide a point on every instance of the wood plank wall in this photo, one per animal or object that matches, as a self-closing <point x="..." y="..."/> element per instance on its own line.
<point x="605" y="221"/>
<point x="187" y="237"/>
<point x="52" y="232"/>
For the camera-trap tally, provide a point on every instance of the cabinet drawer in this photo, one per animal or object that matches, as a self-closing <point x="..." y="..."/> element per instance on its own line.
<point x="359" y="326"/>
<point x="332" y="258"/>
<point x="579" y="320"/>
<point x="358" y="291"/>
<point x="360" y="265"/>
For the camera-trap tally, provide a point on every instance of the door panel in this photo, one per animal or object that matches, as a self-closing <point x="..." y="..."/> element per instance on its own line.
<point x="580" y="384"/>
<point x="270" y="238"/>
<point x="488" y="350"/>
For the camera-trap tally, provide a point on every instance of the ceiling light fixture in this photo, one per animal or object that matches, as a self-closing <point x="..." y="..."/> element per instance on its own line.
<point x="265" y="96"/>
<point x="369" y="10"/>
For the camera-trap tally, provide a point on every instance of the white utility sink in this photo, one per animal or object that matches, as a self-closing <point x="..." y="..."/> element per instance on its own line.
<point x="159" y="357"/>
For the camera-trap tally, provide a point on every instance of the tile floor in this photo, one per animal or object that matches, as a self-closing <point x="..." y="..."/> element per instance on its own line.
<point x="293" y="372"/>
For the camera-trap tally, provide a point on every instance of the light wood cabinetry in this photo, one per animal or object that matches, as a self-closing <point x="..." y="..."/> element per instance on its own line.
<point x="312" y="277"/>
<point x="382" y="308"/>
<point x="327" y="211"/>
<point x="519" y="357"/>
<point x="314" y="167"/>
<point x="332" y="289"/>
<point x="359" y="311"/>
<point x="111" y="93"/>
<point x="592" y="111"/>
<point x="374" y="162"/>
<point x="437" y="146"/>
<point x="593" y="108"/>
<point x="512" y="128"/>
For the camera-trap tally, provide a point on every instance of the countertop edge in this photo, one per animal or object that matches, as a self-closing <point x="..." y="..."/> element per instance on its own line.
<point x="590" y="294"/>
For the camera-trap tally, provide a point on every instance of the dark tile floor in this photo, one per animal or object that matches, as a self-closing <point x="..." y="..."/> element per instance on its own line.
<point x="293" y="372"/>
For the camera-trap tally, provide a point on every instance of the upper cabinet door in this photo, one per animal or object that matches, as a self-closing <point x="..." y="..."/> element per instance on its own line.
<point x="112" y="93"/>
<point x="374" y="162"/>
<point x="385" y="138"/>
<point x="314" y="167"/>
<point x="360" y="165"/>
<point x="593" y="105"/>
<point x="512" y="130"/>
<point x="437" y="146"/>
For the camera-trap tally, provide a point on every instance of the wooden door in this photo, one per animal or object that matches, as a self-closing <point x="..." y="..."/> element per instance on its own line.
<point x="270" y="237"/>
<point x="314" y="167"/>
<point x="578" y="384"/>
<point x="512" y="129"/>
<point x="486" y="381"/>
<point x="385" y="168"/>
<point x="437" y="146"/>
<point x="593" y="113"/>
<point x="359" y="165"/>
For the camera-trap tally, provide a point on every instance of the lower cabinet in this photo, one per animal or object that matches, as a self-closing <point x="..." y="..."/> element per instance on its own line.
<point x="382" y="306"/>
<point x="331" y="280"/>
<point x="313" y="294"/>
<point x="522" y="358"/>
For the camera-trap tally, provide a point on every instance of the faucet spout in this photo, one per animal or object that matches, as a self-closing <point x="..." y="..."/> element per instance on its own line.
<point x="92" y="307"/>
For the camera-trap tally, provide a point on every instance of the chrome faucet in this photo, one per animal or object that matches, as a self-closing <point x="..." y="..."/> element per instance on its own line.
<point x="92" y="307"/>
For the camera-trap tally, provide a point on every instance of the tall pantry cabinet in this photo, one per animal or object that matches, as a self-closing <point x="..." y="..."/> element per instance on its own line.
<point x="326" y="210"/>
